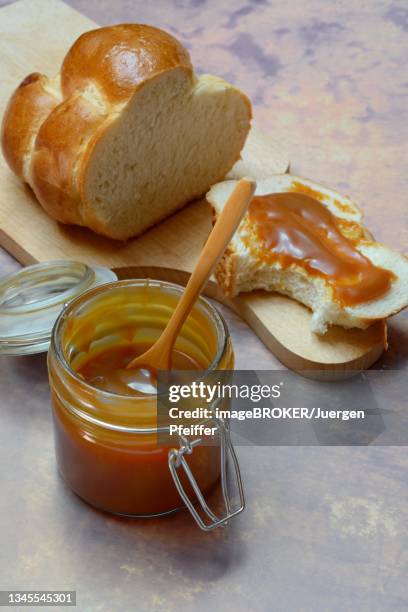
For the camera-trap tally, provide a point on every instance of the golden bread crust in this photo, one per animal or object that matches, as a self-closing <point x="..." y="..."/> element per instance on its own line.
<point x="59" y="145"/>
<point x="119" y="58"/>
<point x="226" y="272"/>
<point x="27" y="108"/>
<point x="47" y="128"/>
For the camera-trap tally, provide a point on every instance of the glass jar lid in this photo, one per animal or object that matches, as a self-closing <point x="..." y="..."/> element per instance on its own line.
<point x="32" y="298"/>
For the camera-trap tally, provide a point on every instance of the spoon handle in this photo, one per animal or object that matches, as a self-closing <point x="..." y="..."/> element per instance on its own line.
<point x="222" y="232"/>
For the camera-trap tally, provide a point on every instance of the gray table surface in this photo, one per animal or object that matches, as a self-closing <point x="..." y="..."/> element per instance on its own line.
<point x="324" y="528"/>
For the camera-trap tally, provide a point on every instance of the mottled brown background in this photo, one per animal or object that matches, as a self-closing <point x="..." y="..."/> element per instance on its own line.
<point x="324" y="528"/>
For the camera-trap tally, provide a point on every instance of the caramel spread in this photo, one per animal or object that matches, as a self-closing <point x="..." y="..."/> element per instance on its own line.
<point x="295" y="228"/>
<point x="107" y="370"/>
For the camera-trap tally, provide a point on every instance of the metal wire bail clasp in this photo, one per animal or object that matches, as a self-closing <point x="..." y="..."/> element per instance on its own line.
<point x="177" y="459"/>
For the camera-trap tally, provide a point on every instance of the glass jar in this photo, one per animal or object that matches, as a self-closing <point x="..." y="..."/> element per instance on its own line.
<point x="106" y="442"/>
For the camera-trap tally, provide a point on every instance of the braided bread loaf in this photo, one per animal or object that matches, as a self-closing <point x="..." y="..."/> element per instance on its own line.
<point x="126" y="133"/>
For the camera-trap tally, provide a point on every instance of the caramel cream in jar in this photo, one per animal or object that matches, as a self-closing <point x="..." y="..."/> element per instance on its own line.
<point x="105" y="417"/>
<point x="295" y="228"/>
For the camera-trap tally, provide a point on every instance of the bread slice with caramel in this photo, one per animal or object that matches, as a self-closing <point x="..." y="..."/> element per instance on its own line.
<point x="126" y="134"/>
<point x="314" y="248"/>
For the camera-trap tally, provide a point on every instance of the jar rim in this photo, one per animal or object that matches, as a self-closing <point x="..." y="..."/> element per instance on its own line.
<point x="56" y="337"/>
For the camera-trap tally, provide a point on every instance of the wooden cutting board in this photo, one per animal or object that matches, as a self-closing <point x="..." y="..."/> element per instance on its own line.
<point x="34" y="36"/>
